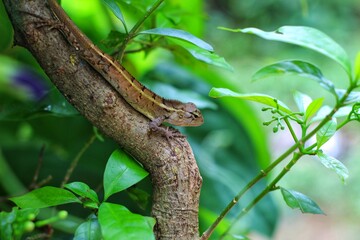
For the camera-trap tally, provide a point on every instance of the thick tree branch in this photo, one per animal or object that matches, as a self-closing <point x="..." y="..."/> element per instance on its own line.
<point x="174" y="173"/>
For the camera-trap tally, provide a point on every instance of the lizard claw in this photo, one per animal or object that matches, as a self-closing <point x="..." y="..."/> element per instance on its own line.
<point x="167" y="132"/>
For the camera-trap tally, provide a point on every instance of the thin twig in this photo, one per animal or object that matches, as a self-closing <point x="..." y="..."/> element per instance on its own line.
<point x="135" y="29"/>
<point x="33" y="184"/>
<point x="76" y="160"/>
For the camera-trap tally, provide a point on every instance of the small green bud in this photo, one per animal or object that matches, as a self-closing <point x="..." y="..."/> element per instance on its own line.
<point x="275" y="129"/>
<point x="31" y="216"/>
<point x="29" y="226"/>
<point x="62" y="214"/>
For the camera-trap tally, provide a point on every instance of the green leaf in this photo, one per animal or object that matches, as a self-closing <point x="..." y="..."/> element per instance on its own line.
<point x="116" y="10"/>
<point x="295" y="199"/>
<point x="295" y="67"/>
<point x="45" y="197"/>
<point x="326" y="132"/>
<point x="179" y="34"/>
<point x="17" y="222"/>
<point x="353" y="97"/>
<point x="357" y="67"/>
<point x="204" y="55"/>
<point x="89" y="230"/>
<point x="121" y="172"/>
<point x="313" y="108"/>
<point x="117" y="222"/>
<point x="302" y="101"/>
<point x="333" y="164"/>
<point x="234" y="237"/>
<point x="139" y="196"/>
<point x="307" y="37"/>
<point x="83" y="190"/>
<point x="256" y="97"/>
<point x="6" y="221"/>
<point x="325" y="110"/>
<point x="113" y="41"/>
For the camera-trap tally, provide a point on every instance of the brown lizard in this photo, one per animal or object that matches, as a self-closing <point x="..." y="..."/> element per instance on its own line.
<point x="154" y="107"/>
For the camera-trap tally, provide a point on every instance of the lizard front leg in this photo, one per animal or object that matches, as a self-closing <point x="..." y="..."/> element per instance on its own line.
<point x="167" y="132"/>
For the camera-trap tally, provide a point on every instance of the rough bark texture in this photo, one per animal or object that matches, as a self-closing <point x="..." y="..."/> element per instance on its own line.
<point x="174" y="173"/>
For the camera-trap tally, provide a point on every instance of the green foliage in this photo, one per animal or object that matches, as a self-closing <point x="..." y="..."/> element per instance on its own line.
<point x="117" y="222"/>
<point x="311" y="110"/>
<point x="121" y="172"/>
<point x="306" y="37"/>
<point x="333" y="164"/>
<point x="17" y="222"/>
<point x="113" y="220"/>
<point x="218" y="157"/>
<point x="326" y="132"/>
<point x="256" y="97"/>
<point x="298" y="200"/>
<point x="116" y="10"/>
<point x="90" y="229"/>
<point x="45" y="197"/>
<point x="82" y="189"/>
<point x="295" y="67"/>
<point x="179" y="34"/>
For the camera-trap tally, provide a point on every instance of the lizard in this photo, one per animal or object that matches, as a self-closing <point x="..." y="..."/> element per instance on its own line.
<point x="142" y="99"/>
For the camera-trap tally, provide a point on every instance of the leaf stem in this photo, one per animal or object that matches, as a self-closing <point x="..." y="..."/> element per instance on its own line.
<point x="134" y="30"/>
<point x="287" y="122"/>
<point x="269" y="188"/>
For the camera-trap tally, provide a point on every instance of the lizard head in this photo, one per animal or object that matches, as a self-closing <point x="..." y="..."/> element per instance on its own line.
<point x="186" y="115"/>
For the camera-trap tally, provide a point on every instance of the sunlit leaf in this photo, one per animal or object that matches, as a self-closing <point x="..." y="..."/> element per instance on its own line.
<point x="295" y="67"/>
<point x="313" y="108"/>
<point x="117" y="222"/>
<point x="298" y="200"/>
<point x="45" y="197"/>
<point x="179" y="34"/>
<point x="357" y="66"/>
<point x="326" y="132"/>
<point x="333" y="164"/>
<point x="121" y="172"/>
<point x="256" y="97"/>
<point x="302" y="101"/>
<point x="307" y="37"/>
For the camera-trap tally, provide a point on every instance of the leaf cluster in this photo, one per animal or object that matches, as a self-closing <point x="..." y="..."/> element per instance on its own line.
<point x="107" y="221"/>
<point x="312" y="117"/>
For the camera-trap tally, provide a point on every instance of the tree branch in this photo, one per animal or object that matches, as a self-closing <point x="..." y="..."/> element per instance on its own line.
<point x="174" y="173"/>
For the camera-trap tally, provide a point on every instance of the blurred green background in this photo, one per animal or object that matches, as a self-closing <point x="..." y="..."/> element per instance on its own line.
<point x="231" y="147"/>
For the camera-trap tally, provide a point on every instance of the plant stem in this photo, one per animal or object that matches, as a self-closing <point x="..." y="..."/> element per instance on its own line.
<point x="291" y="129"/>
<point x="135" y="29"/>
<point x="76" y="160"/>
<point x="265" y="172"/>
<point x="268" y="189"/>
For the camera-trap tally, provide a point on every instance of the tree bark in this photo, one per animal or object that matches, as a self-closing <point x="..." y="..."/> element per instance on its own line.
<point x="174" y="173"/>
